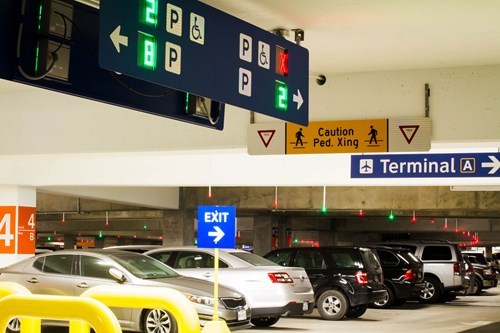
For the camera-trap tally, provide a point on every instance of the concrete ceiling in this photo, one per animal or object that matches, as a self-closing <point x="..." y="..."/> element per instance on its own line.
<point x="382" y="35"/>
<point x="354" y="36"/>
<point x="348" y="36"/>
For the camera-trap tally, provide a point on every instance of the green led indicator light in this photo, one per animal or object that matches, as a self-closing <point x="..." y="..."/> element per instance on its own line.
<point x="187" y="102"/>
<point x="148" y="12"/>
<point x="37" y="58"/>
<point x="40" y="11"/>
<point x="146" y="56"/>
<point x="281" y="97"/>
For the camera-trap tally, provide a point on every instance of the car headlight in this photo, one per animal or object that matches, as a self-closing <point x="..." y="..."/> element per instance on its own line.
<point x="487" y="271"/>
<point x="203" y="300"/>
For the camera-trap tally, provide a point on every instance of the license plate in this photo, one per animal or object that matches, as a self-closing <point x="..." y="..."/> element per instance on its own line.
<point x="305" y="306"/>
<point x="242" y="315"/>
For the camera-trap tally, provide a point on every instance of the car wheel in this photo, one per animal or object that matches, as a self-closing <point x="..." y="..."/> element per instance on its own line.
<point x="386" y="302"/>
<point x="477" y="286"/>
<point x="357" y="311"/>
<point x="332" y="305"/>
<point x="264" y="321"/>
<point x="431" y="292"/>
<point x="14" y="326"/>
<point x="159" y="321"/>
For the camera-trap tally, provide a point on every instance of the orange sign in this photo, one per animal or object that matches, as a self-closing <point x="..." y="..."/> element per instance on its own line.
<point x="7" y="229"/>
<point x="17" y="230"/>
<point x="327" y="137"/>
<point x="26" y="237"/>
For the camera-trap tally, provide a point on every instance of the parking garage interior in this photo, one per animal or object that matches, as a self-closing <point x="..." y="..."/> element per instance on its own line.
<point x="112" y="175"/>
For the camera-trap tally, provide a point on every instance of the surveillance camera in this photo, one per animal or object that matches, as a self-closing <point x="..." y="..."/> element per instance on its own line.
<point x="321" y="80"/>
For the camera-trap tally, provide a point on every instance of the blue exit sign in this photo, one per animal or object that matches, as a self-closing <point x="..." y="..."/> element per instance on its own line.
<point x="189" y="46"/>
<point x="217" y="227"/>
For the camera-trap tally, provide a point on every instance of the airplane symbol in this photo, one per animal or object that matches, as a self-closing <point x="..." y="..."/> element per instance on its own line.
<point x="366" y="166"/>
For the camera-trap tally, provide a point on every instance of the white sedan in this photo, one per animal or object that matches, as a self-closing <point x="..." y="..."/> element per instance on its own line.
<point x="271" y="290"/>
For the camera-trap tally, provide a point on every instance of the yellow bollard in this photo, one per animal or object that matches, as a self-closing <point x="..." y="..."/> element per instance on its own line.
<point x="9" y="288"/>
<point x="31" y="325"/>
<point x="77" y="326"/>
<point x="149" y="298"/>
<point x="99" y="316"/>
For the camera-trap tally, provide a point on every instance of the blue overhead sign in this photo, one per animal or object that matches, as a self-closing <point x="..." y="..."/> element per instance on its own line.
<point x="426" y="165"/>
<point x="217" y="227"/>
<point x="190" y="46"/>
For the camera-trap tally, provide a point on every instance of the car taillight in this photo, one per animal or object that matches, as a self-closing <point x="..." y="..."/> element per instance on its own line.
<point x="280" y="277"/>
<point x="409" y="275"/>
<point x="362" y="278"/>
<point x="470" y="270"/>
<point x="456" y="269"/>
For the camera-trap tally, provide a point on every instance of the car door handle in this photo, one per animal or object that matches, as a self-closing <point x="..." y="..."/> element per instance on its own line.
<point x="33" y="280"/>
<point x="207" y="275"/>
<point x="82" y="285"/>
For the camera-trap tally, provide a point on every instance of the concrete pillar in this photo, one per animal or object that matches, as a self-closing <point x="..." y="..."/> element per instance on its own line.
<point x="98" y="243"/>
<point x="284" y="226"/>
<point x="178" y="228"/>
<point x="488" y="252"/>
<point x="262" y="234"/>
<point x="69" y="241"/>
<point x="17" y="223"/>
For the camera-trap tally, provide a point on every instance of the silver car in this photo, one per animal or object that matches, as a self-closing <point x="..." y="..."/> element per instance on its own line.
<point x="270" y="290"/>
<point x="71" y="272"/>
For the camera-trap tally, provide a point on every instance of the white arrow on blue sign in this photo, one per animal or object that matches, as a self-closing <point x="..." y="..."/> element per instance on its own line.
<point x="217" y="227"/>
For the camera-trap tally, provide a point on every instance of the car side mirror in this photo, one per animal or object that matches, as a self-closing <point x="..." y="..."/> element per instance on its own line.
<point x="117" y="274"/>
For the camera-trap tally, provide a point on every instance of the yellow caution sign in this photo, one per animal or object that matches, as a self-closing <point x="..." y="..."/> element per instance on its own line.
<point x="327" y="137"/>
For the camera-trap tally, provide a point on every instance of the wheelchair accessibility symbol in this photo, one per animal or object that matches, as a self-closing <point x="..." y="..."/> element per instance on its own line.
<point x="197" y="29"/>
<point x="264" y="55"/>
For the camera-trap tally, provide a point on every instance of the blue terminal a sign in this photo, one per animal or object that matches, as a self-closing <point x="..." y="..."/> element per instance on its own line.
<point x="426" y="165"/>
<point x="190" y="46"/>
<point x="217" y="227"/>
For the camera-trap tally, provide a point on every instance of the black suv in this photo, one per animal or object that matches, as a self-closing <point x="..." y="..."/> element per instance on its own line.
<point x="444" y="268"/>
<point x="403" y="275"/>
<point x="345" y="279"/>
<point x="485" y="276"/>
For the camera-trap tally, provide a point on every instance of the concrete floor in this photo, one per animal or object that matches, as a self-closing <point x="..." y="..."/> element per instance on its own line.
<point x="471" y="314"/>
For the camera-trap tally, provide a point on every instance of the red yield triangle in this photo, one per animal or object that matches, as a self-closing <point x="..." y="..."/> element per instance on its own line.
<point x="409" y="132"/>
<point x="266" y="136"/>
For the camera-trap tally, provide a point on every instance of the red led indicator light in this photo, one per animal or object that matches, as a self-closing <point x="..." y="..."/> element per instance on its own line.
<point x="281" y="61"/>
<point x="284" y="63"/>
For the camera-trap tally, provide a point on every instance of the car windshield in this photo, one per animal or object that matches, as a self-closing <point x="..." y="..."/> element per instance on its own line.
<point x="144" y="267"/>
<point x="473" y="260"/>
<point x="373" y="263"/>
<point x="253" y="259"/>
<point x="409" y="256"/>
<point x="478" y="258"/>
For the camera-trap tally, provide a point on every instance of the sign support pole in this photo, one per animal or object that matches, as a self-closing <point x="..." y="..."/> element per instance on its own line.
<point x="216" y="229"/>
<point x="216" y="284"/>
